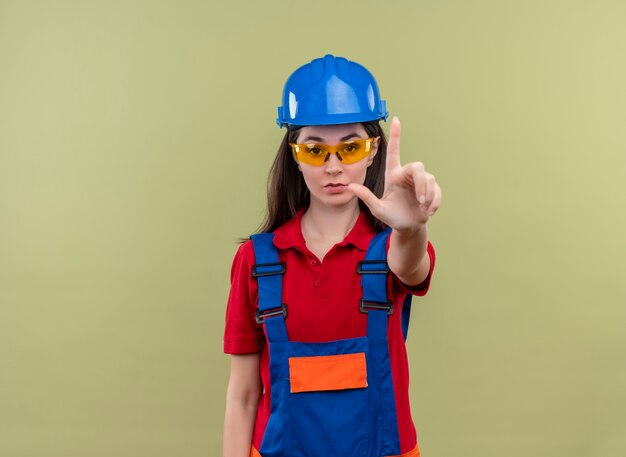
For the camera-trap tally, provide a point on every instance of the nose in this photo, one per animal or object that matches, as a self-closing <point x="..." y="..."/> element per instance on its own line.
<point x="333" y="164"/>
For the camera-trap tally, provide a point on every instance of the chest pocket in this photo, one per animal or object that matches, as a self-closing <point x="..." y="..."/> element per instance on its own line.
<point x="328" y="372"/>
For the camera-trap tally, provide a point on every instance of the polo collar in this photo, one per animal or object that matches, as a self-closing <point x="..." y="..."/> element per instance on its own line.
<point x="289" y="235"/>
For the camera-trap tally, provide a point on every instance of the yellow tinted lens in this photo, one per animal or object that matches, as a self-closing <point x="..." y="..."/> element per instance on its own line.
<point x="313" y="154"/>
<point x="355" y="150"/>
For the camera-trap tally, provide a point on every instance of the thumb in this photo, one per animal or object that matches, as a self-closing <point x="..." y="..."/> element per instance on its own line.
<point x="368" y="197"/>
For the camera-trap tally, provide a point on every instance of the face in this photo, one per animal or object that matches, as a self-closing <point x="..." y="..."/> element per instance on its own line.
<point x="327" y="183"/>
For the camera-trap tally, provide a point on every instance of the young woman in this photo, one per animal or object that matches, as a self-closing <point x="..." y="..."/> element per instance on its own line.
<point x="317" y="313"/>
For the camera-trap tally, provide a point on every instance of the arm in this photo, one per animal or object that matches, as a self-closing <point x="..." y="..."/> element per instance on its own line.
<point x="411" y="197"/>
<point x="407" y="256"/>
<point x="242" y="399"/>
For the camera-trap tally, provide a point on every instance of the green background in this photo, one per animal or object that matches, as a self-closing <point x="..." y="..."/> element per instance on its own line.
<point x="135" y="139"/>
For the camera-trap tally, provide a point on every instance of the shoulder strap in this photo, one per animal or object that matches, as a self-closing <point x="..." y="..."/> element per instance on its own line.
<point x="269" y="271"/>
<point x="406" y="315"/>
<point x="373" y="271"/>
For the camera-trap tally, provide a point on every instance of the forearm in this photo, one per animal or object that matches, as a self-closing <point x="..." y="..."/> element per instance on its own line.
<point x="242" y="400"/>
<point x="238" y="425"/>
<point x="407" y="257"/>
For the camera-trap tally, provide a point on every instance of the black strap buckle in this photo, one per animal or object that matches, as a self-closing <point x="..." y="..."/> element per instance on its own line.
<point x="268" y="269"/>
<point x="383" y="268"/>
<point x="262" y="315"/>
<point x="366" y="305"/>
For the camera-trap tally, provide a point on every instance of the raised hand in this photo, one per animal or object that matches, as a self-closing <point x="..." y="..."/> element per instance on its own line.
<point x="411" y="194"/>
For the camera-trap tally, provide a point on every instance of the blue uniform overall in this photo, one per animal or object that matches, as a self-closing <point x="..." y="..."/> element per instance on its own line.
<point x="335" y="398"/>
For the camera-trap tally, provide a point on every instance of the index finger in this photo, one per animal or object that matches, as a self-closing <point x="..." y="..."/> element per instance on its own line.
<point x="393" y="146"/>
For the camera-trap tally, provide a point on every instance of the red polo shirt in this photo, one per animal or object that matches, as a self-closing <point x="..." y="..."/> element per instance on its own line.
<point x="323" y="303"/>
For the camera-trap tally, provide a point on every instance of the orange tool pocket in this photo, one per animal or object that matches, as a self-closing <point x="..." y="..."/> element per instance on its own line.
<point x="327" y="372"/>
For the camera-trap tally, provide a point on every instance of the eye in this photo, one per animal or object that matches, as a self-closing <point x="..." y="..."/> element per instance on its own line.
<point x="351" y="147"/>
<point x="314" y="150"/>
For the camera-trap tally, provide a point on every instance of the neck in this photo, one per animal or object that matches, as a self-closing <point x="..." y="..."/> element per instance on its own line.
<point x="329" y="223"/>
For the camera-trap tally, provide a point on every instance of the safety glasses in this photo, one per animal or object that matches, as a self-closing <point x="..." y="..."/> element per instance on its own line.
<point x="318" y="153"/>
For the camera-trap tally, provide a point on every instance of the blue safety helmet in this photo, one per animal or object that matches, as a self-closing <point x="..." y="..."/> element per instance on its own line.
<point x="330" y="90"/>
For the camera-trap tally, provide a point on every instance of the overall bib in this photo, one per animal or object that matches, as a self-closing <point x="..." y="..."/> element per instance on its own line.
<point x="335" y="398"/>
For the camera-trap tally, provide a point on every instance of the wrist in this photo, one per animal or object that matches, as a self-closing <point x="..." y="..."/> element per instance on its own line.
<point x="410" y="232"/>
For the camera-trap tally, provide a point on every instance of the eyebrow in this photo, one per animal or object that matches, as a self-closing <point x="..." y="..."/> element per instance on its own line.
<point x="317" y="138"/>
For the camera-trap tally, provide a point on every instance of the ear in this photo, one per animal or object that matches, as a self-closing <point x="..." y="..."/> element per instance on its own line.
<point x="374" y="150"/>
<point x="297" y="163"/>
<point x="293" y="156"/>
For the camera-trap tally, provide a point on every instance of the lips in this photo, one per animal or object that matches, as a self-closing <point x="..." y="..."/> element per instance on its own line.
<point x="335" y="188"/>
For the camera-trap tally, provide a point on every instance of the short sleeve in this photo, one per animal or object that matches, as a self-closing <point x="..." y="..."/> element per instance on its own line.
<point x="422" y="289"/>
<point x="242" y="335"/>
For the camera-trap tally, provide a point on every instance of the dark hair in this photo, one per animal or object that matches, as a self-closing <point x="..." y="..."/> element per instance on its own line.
<point x="287" y="191"/>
